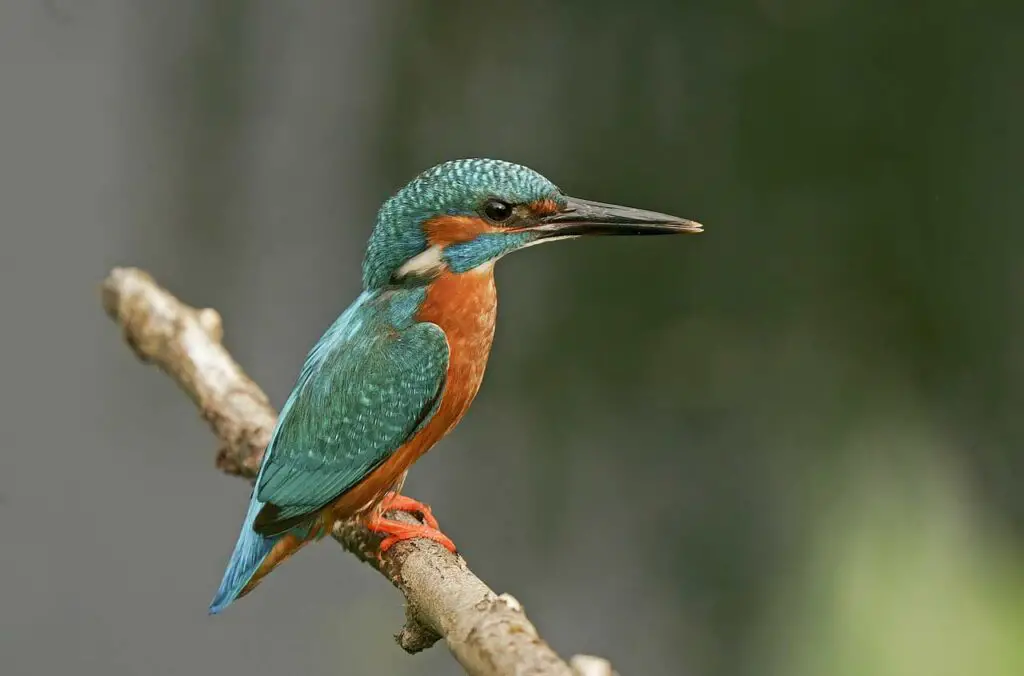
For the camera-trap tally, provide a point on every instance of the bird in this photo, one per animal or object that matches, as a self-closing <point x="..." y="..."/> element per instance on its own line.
<point x="401" y="365"/>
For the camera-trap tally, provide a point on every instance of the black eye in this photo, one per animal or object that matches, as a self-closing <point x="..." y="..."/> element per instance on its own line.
<point x="497" y="211"/>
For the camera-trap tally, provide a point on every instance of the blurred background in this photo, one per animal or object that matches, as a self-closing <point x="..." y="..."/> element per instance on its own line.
<point x="790" y="446"/>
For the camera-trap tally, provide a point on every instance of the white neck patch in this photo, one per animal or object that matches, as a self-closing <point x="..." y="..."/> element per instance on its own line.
<point x="426" y="262"/>
<point x="431" y="260"/>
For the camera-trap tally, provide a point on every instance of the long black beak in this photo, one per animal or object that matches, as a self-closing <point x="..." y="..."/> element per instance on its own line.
<point x="583" y="217"/>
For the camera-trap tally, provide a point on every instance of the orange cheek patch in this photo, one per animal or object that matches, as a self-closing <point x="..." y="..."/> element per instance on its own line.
<point x="444" y="230"/>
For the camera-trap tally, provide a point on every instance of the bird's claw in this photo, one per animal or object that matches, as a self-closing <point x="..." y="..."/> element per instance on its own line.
<point x="396" y="531"/>
<point x="403" y="503"/>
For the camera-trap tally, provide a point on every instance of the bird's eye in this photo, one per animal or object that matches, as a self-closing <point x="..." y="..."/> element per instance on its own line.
<point x="497" y="211"/>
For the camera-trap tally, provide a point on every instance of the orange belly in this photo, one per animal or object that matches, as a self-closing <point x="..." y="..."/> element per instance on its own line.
<point x="464" y="306"/>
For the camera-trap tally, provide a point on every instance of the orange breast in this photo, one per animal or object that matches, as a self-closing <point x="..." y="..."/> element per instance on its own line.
<point x="465" y="307"/>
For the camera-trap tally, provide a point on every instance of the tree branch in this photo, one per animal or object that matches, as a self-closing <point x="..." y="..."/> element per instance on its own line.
<point x="488" y="634"/>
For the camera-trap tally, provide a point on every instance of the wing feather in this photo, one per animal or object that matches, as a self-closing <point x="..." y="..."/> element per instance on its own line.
<point x="365" y="389"/>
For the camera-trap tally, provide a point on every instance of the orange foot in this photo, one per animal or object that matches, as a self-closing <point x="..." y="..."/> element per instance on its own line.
<point x="397" y="531"/>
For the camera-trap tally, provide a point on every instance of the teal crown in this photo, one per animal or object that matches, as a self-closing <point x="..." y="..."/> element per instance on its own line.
<point x="458" y="187"/>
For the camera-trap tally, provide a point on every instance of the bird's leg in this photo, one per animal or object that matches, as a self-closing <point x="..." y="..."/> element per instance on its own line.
<point x="396" y="531"/>
<point x="394" y="501"/>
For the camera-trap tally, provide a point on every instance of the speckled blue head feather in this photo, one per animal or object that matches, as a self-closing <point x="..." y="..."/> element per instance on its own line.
<point x="458" y="187"/>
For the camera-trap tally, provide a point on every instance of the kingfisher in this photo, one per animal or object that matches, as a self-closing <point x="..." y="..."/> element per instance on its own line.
<point x="400" y="367"/>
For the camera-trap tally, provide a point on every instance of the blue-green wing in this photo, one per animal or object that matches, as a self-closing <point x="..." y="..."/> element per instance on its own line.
<point x="365" y="389"/>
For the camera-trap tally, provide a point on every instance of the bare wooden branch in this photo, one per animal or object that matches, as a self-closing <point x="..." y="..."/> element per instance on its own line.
<point x="488" y="634"/>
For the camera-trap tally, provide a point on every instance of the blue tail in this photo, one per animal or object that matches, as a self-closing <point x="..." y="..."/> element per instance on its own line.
<point x="250" y="550"/>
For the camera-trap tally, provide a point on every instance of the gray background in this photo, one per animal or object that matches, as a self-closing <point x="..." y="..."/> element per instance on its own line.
<point x="789" y="446"/>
